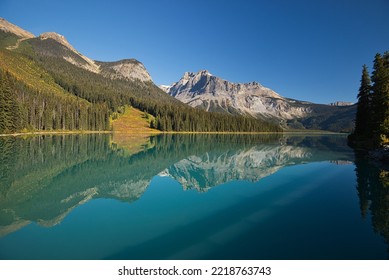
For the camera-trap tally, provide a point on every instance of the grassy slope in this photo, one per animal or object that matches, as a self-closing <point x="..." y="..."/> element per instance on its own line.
<point x="132" y="130"/>
<point x="133" y="121"/>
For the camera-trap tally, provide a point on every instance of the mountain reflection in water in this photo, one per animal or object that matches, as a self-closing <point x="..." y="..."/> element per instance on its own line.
<point x="43" y="178"/>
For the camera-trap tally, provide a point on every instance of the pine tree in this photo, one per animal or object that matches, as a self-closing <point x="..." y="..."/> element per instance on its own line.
<point x="362" y="127"/>
<point x="380" y="99"/>
<point x="384" y="126"/>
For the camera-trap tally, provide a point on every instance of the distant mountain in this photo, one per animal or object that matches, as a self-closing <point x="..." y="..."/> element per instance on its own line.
<point x="341" y="103"/>
<point x="206" y="91"/>
<point x="211" y="93"/>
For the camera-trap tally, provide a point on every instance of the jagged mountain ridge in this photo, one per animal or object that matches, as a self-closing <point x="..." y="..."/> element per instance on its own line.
<point x="211" y="93"/>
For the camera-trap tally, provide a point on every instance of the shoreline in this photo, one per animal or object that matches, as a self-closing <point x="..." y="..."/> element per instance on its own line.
<point x="15" y="134"/>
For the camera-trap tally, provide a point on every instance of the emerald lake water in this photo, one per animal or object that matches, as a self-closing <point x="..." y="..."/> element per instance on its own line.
<point x="190" y="197"/>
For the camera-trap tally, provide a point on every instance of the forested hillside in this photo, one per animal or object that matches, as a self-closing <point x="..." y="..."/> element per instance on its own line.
<point x="30" y="100"/>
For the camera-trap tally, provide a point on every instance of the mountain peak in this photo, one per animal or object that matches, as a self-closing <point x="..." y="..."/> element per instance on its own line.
<point x="204" y="73"/>
<point x="201" y="73"/>
<point x="187" y="75"/>
<point x="57" y="37"/>
<point x="6" y="26"/>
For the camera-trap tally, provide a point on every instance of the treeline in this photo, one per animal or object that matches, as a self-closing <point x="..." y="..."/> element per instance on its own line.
<point x="372" y="118"/>
<point x="171" y="114"/>
<point x="23" y="108"/>
<point x="197" y="120"/>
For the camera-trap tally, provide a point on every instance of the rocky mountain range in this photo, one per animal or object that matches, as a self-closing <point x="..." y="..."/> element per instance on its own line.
<point x="49" y="65"/>
<point x="211" y="93"/>
<point x="200" y="90"/>
<point x="56" y="45"/>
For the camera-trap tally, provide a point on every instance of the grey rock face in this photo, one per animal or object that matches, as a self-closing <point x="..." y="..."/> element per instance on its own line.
<point x="211" y="93"/>
<point x="128" y="69"/>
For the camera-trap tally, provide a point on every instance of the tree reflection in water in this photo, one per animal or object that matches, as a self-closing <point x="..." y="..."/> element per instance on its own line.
<point x="373" y="192"/>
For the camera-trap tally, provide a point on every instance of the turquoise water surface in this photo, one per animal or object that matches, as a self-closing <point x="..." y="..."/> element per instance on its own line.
<point x="190" y="197"/>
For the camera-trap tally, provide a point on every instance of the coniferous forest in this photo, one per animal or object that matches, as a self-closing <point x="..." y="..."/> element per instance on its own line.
<point x="372" y="119"/>
<point x="26" y="109"/>
<point x="40" y="91"/>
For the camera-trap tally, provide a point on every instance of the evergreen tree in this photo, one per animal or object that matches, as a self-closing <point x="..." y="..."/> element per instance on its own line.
<point x="372" y="119"/>
<point x="362" y="127"/>
<point x="380" y="99"/>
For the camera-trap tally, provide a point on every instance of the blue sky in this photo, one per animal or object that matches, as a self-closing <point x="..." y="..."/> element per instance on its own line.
<point x="303" y="49"/>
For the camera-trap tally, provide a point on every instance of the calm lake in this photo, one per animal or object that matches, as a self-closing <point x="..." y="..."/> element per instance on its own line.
<point x="190" y="197"/>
